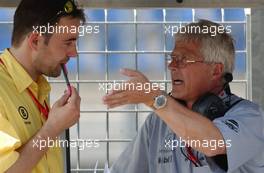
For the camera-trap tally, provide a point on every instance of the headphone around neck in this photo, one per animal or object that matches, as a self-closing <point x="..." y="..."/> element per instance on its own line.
<point x="211" y="105"/>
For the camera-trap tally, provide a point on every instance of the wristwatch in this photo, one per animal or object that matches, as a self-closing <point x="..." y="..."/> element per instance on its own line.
<point x="160" y="101"/>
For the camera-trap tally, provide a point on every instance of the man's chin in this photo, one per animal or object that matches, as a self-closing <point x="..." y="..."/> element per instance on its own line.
<point x="54" y="74"/>
<point x="177" y="95"/>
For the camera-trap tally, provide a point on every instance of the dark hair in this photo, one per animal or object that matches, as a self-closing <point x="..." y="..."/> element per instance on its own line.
<point x="31" y="13"/>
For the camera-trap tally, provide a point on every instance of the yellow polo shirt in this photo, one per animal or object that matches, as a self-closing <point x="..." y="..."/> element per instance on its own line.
<point x="20" y="119"/>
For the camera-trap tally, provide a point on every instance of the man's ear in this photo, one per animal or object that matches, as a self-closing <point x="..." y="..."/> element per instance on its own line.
<point x="218" y="69"/>
<point x="33" y="40"/>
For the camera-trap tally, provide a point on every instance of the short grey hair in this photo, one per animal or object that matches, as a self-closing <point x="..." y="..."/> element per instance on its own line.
<point x="215" y="46"/>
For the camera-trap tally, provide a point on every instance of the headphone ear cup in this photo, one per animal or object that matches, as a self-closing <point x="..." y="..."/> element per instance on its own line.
<point x="210" y="105"/>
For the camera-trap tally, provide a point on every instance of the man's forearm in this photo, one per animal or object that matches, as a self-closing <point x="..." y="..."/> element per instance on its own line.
<point x="190" y="126"/>
<point x="31" y="153"/>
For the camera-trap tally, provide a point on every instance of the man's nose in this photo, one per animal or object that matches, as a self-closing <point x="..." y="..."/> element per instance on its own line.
<point x="172" y="65"/>
<point x="73" y="52"/>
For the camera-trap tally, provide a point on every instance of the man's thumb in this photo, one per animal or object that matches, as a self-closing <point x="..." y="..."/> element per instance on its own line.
<point x="63" y="100"/>
<point x="130" y="72"/>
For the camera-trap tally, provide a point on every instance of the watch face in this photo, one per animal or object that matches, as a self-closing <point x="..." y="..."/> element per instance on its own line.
<point x="160" y="102"/>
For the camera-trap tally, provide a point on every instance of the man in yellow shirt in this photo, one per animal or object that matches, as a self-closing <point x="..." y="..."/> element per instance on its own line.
<point x="27" y="123"/>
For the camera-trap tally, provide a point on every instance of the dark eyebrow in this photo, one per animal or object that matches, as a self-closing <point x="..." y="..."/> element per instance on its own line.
<point x="71" y="39"/>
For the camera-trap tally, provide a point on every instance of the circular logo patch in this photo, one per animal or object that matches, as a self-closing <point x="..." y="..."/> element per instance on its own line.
<point x="23" y="112"/>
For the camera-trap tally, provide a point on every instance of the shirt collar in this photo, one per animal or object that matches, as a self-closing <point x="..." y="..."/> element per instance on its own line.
<point x="22" y="79"/>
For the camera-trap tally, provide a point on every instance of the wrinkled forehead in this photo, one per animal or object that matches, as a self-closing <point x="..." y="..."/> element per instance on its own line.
<point x="188" y="47"/>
